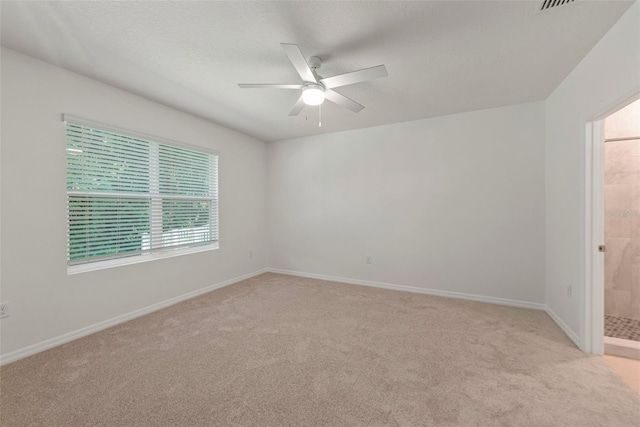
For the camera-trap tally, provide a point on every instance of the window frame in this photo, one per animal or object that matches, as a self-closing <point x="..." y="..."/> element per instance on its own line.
<point x="143" y="257"/>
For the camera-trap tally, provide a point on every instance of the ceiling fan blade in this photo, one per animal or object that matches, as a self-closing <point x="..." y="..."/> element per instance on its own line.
<point x="355" y="77"/>
<point x="298" y="107"/>
<point x="297" y="59"/>
<point x="342" y="100"/>
<point x="268" y="86"/>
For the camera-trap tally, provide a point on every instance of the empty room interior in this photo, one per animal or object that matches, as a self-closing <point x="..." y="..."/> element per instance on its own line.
<point x="324" y="213"/>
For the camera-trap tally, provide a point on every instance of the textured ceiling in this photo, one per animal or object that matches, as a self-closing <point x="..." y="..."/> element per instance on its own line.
<point x="442" y="57"/>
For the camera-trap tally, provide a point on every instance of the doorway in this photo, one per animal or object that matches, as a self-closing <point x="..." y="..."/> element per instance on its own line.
<point x="621" y="194"/>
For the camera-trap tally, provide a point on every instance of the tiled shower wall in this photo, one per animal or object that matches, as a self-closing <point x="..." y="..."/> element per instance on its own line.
<point x="622" y="213"/>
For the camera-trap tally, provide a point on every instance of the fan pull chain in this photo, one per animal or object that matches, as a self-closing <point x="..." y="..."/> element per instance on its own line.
<point x="306" y="112"/>
<point x="320" y="115"/>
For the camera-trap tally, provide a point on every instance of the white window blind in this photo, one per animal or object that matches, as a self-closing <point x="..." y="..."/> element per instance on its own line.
<point x="129" y="196"/>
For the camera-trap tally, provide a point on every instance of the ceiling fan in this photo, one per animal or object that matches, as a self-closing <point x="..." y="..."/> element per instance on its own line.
<point x="316" y="89"/>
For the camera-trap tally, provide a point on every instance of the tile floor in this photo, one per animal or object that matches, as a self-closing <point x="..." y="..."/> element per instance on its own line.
<point x="622" y="327"/>
<point x="628" y="369"/>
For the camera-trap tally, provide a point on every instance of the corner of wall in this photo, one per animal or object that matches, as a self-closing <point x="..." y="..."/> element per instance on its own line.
<point x="604" y="77"/>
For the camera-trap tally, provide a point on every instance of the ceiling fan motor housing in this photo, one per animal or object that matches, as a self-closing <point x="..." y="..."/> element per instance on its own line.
<point x="314" y="62"/>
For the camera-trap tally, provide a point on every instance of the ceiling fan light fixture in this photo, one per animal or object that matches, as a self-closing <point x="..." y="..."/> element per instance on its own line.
<point x="313" y="94"/>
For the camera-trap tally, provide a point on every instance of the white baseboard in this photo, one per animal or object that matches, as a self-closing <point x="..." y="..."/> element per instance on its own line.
<point x="566" y="329"/>
<point x="404" y="288"/>
<point x="79" y="333"/>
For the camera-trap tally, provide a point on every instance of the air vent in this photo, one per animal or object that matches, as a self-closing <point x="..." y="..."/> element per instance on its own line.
<point x="550" y="4"/>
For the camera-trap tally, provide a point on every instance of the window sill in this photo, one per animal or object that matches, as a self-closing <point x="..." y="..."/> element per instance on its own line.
<point x="136" y="259"/>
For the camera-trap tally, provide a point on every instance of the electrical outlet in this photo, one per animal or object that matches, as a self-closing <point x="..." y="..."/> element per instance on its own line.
<point x="368" y="260"/>
<point x="569" y="290"/>
<point x="4" y="310"/>
<point x="250" y="254"/>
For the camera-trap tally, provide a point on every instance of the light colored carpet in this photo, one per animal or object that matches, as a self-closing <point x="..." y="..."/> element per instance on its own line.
<point x="285" y="351"/>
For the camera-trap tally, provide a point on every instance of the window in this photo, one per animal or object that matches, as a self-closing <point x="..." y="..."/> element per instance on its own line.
<point x="131" y="196"/>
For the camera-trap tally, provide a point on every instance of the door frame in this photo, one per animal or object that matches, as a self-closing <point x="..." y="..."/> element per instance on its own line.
<point x="593" y="296"/>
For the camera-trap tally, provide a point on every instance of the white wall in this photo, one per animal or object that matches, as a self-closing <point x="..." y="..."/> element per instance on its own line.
<point x="44" y="301"/>
<point x="609" y="74"/>
<point x="453" y="203"/>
